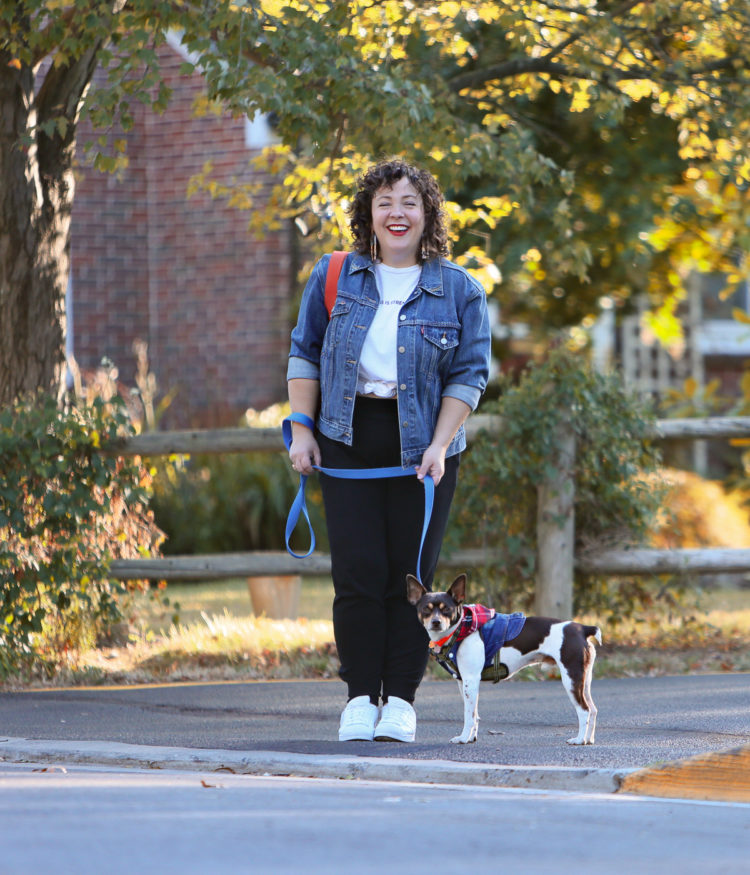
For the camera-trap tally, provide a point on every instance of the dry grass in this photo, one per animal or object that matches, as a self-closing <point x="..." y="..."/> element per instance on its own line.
<point x="218" y="647"/>
<point x="713" y="636"/>
<point x="226" y="647"/>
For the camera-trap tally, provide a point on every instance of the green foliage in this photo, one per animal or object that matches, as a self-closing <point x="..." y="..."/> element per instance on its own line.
<point x="623" y="180"/>
<point x="214" y="504"/>
<point x="616" y="494"/>
<point x="586" y="146"/>
<point x="66" y="509"/>
<point x="593" y="151"/>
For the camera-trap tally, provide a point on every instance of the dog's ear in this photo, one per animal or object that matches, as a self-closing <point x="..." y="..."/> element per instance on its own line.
<point x="457" y="589"/>
<point x="414" y="589"/>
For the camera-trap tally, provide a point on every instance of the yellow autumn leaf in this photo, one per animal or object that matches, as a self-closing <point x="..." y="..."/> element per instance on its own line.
<point x="449" y="9"/>
<point x="741" y="316"/>
<point x="711" y="389"/>
<point x="638" y="88"/>
<point x="690" y="387"/>
<point x="581" y="98"/>
<point x="725" y="149"/>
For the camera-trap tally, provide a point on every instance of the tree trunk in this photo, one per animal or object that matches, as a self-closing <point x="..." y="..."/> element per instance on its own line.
<point x="37" y="145"/>
<point x="33" y="249"/>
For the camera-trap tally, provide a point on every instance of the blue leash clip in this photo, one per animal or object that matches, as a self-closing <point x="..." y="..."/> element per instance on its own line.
<point x="299" y="505"/>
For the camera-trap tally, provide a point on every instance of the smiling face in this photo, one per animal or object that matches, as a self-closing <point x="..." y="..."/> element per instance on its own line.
<point x="398" y="223"/>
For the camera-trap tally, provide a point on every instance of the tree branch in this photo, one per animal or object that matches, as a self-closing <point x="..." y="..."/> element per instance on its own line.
<point x="520" y="66"/>
<point x="65" y="84"/>
<point x="64" y="87"/>
<point x="44" y="48"/>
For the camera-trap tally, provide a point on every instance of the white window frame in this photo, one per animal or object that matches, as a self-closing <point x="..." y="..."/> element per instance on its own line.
<point x="726" y="337"/>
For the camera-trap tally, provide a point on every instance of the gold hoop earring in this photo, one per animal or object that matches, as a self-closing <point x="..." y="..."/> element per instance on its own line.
<point x="374" y="247"/>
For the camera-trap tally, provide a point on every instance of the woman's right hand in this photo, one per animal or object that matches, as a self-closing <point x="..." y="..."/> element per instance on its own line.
<point x="304" y="451"/>
<point x="303" y="398"/>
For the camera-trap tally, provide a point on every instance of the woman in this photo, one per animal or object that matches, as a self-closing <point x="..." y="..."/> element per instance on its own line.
<point x="389" y="380"/>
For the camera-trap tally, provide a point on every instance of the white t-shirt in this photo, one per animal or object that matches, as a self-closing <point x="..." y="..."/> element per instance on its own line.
<point x="377" y="364"/>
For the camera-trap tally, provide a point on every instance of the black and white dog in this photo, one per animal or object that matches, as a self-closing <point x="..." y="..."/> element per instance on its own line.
<point x="540" y="640"/>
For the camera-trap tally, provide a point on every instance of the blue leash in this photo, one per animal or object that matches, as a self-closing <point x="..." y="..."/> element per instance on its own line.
<point x="299" y="505"/>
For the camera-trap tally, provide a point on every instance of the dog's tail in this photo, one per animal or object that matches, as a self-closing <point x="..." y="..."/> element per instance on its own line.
<point x="593" y="632"/>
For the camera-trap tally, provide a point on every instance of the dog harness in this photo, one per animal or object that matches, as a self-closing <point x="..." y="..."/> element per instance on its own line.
<point x="495" y="629"/>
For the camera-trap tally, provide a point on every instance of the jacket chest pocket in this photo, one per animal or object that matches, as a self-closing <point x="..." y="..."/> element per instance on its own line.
<point x="437" y="348"/>
<point x="338" y="325"/>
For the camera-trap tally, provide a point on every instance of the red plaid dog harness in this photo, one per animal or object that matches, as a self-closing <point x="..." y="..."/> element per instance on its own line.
<point x="495" y="629"/>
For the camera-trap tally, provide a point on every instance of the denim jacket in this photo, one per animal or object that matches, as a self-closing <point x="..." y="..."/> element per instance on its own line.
<point x="443" y="348"/>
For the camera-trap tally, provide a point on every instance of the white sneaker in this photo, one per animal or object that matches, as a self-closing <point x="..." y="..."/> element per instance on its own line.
<point x="398" y="721"/>
<point x="358" y="720"/>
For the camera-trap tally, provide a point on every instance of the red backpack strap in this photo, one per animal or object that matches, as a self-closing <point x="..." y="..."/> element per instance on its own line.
<point x="332" y="278"/>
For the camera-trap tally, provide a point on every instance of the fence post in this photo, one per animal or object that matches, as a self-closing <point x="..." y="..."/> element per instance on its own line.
<point x="555" y="529"/>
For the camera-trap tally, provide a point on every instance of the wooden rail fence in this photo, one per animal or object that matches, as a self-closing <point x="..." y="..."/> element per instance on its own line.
<point x="556" y="559"/>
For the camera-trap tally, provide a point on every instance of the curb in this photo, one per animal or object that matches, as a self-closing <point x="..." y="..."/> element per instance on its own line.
<point x="723" y="776"/>
<point x="272" y="763"/>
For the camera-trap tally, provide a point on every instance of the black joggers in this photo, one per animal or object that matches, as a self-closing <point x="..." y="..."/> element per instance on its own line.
<point x="374" y="528"/>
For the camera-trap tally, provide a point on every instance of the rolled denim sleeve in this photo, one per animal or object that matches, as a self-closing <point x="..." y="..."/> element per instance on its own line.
<point x="312" y="322"/>
<point x="471" y="364"/>
<point x="299" y="368"/>
<point x="470" y="395"/>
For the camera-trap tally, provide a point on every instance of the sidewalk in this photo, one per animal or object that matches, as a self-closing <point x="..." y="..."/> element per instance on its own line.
<point x="290" y="728"/>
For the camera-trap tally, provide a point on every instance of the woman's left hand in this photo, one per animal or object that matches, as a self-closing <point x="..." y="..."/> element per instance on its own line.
<point x="452" y="413"/>
<point x="433" y="463"/>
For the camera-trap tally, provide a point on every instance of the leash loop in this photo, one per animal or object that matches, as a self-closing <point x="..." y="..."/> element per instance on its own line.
<point x="299" y="505"/>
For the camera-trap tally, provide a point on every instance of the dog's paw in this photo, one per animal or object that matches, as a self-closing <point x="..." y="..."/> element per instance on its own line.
<point x="576" y="740"/>
<point x="460" y="739"/>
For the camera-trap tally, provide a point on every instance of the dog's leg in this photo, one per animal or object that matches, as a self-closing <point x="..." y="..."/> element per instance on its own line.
<point x="589" y="659"/>
<point x="575" y="694"/>
<point x="470" y="661"/>
<point x="470" y="694"/>
<point x="575" y="661"/>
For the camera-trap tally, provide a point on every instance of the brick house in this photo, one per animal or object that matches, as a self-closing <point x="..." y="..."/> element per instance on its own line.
<point x="184" y="275"/>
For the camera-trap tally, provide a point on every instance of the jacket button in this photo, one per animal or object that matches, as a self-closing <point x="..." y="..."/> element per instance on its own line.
<point x="402" y="317"/>
<point x="405" y="424"/>
<point x="402" y="349"/>
<point x="402" y="387"/>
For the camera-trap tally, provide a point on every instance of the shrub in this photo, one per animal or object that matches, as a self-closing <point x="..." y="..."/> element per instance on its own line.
<point x="616" y="494"/>
<point x="215" y="504"/>
<point x="66" y="510"/>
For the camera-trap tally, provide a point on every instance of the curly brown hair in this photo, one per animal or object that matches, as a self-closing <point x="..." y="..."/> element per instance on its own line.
<point x="386" y="173"/>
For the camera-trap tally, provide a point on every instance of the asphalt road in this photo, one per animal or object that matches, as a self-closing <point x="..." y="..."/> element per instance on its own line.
<point x="86" y="821"/>
<point x="202" y="790"/>
<point x="642" y="721"/>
